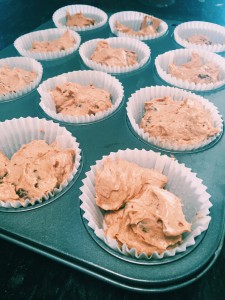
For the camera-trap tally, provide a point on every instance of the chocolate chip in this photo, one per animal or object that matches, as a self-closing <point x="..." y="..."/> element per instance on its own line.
<point x="144" y="229"/>
<point x="202" y="76"/>
<point x="21" y="193"/>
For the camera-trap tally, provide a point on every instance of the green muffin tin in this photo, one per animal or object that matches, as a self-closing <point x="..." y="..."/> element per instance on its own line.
<point x="57" y="229"/>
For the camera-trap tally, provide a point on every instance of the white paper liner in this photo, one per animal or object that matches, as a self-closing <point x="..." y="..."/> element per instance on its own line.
<point x="214" y="32"/>
<point x="135" y="113"/>
<point x="24" y="43"/>
<point x="141" y="49"/>
<point x="25" y="63"/>
<point x="182" y="56"/>
<point x="59" y="16"/>
<point x="97" y="78"/>
<point x="17" y="132"/>
<point x="133" y="19"/>
<point x="181" y="181"/>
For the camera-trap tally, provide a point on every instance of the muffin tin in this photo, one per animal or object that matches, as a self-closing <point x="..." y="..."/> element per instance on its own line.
<point x="57" y="228"/>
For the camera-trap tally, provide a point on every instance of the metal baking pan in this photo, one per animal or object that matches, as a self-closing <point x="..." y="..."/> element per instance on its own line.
<point x="57" y="229"/>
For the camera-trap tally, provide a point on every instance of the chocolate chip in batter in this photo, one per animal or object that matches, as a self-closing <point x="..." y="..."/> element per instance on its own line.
<point x="21" y="193"/>
<point x="203" y="76"/>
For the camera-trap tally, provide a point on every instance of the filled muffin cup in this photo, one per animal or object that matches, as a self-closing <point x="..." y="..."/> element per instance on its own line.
<point x="133" y="19"/>
<point x="96" y="78"/>
<point x="181" y="181"/>
<point x="17" y="132"/>
<point x="136" y="111"/>
<point x="182" y="56"/>
<point x="28" y="64"/>
<point x="23" y="44"/>
<point x="215" y="33"/>
<point x="141" y="49"/>
<point x="100" y="17"/>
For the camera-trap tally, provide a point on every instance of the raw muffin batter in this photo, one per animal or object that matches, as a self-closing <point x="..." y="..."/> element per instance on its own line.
<point x="199" y="40"/>
<point x="178" y="122"/>
<point x="14" y="79"/>
<point x="79" y="20"/>
<point x="64" y="42"/>
<point x="151" y="222"/>
<point x="106" y="55"/>
<point x="141" y="214"/>
<point x="195" y="71"/>
<point x="34" y="171"/>
<point x="75" y="99"/>
<point x="119" y="181"/>
<point x="145" y="28"/>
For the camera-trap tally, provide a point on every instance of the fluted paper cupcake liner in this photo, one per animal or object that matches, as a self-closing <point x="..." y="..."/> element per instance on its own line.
<point x="182" y="56"/>
<point x="214" y="32"/>
<point x="181" y="181"/>
<point x="141" y="49"/>
<point x="97" y="78"/>
<point x="17" y="132"/>
<point x="23" y="44"/>
<point x="100" y="17"/>
<point x="25" y="63"/>
<point x="133" y="19"/>
<point x="135" y="113"/>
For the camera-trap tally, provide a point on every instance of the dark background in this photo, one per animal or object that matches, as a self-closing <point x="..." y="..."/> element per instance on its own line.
<point x="26" y="275"/>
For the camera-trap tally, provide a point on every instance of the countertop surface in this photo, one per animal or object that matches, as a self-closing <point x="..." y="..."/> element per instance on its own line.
<point x="28" y="275"/>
